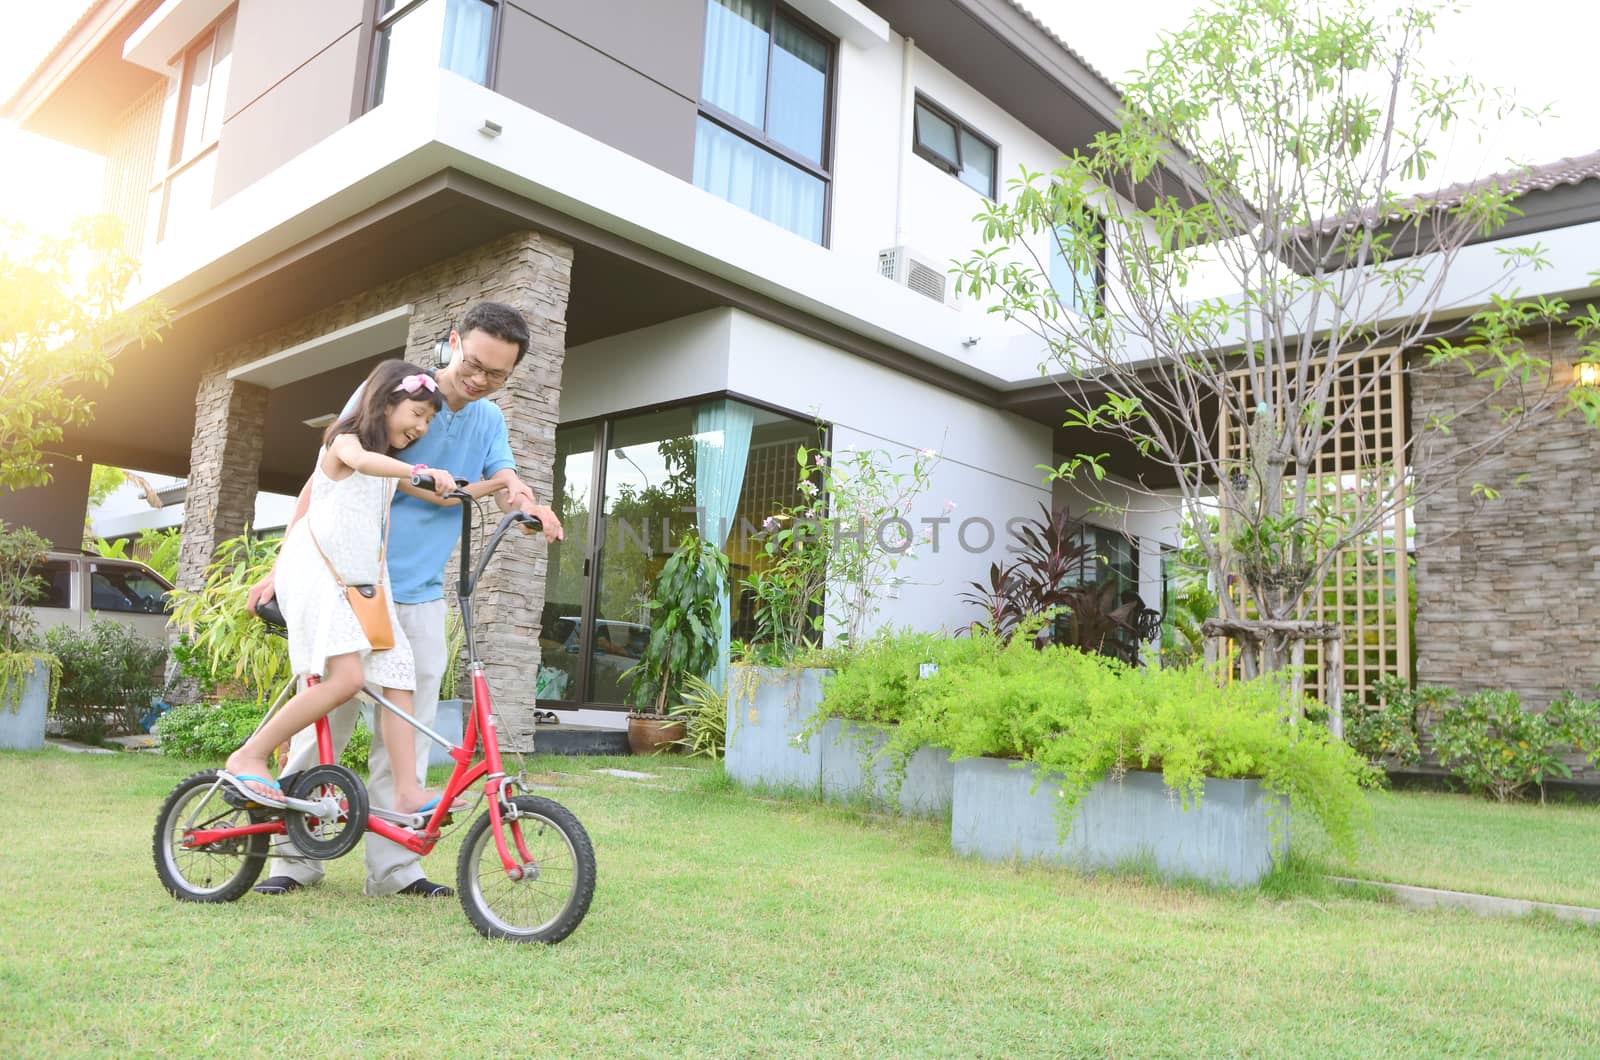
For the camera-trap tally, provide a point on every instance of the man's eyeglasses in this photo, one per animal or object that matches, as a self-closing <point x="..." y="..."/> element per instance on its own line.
<point x="470" y="366"/>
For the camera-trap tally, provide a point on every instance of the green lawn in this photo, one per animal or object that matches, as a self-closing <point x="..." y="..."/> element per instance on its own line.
<point x="1462" y="843"/>
<point x="729" y="925"/>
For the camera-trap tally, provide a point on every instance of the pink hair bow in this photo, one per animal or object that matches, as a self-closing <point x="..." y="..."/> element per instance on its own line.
<point x="413" y="383"/>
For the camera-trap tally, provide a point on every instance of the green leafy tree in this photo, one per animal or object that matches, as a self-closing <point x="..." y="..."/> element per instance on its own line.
<point x="1271" y="143"/>
<point x="62" y="319"/>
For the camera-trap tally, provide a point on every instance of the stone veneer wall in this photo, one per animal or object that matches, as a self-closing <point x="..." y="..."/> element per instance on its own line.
<point x="1508" y="591"/>
<point x="528" y="270"/>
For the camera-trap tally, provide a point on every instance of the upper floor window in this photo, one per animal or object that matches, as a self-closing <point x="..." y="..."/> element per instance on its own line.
<point x="187" y="185"/>
<point x="414" y="36"/>
<point x="1077" y="267"/>
<point x="766" y="93"/>
<point x="955" y="147"/>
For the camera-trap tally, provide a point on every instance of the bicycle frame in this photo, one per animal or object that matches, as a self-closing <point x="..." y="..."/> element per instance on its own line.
<point x="478" y="732"/>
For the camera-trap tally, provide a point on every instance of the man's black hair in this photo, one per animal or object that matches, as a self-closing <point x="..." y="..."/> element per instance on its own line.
<point x="499" y="320"/>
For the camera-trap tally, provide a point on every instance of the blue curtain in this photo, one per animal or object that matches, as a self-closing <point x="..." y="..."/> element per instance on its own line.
<point x="465" y="46"/>
<point x="721" y="450"/>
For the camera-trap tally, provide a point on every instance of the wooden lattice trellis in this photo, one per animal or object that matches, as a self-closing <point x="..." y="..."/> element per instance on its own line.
<point x="1366" y="592"/>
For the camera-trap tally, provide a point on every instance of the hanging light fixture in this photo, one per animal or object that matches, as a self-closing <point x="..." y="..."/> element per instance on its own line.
<point x="1586" y="374"/>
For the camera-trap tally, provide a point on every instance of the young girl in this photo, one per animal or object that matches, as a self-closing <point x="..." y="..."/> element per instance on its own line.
<point x="344" y="529"/>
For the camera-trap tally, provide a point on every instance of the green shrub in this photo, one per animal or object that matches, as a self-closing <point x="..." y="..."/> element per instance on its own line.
<point x="230" y="644"/>
<point x="874" y="684"/>
<point x="1496" y="747"/>
<point x="109" y="675"/>
<point x="1085" y="717"/>
<point x="1388" y="730"/>
<point x="213" y="731"/>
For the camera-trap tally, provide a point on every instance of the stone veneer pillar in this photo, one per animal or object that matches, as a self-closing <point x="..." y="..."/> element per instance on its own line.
<point x="532" y="272"/>
<point x="224" y="467"/>
<point x="1508" y="591"/>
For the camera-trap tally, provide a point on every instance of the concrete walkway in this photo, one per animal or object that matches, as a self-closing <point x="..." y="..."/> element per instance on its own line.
<point x="1478" y="904"/>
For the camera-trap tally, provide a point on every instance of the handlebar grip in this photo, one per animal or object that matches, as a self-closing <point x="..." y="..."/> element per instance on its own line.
<point x="531" y="520"/>
<point x="426" y="482"/>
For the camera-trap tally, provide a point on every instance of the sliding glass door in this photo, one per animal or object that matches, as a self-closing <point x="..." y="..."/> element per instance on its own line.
<point x="629" y="488"/>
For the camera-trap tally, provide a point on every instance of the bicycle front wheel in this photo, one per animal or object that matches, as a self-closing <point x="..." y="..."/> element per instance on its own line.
<point x="552" y="896"/>
<point x="219" y="871"/>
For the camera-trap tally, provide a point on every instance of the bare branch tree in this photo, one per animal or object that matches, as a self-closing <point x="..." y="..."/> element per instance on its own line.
<point x="1298" y="125"/>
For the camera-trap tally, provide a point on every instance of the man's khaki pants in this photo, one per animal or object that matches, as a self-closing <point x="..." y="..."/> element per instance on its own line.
<point x="390" y="866"/>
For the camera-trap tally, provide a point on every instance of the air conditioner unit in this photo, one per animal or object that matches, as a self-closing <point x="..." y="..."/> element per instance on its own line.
<point x="917" y="271"/>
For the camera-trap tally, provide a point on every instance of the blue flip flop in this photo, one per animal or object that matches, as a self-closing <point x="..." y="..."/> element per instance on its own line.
<point x="255" y="798"/>
<point x="455" y="807"/>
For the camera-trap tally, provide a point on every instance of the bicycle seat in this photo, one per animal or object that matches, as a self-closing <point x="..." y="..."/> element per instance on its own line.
<point x="268" y="612"/>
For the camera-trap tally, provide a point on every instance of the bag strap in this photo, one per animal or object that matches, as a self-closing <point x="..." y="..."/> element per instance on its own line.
<point x="312" y="534"/>
<point x="383" y="551"/>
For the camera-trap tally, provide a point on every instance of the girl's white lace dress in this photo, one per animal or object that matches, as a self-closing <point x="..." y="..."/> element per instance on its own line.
<point x="348" y="517"/>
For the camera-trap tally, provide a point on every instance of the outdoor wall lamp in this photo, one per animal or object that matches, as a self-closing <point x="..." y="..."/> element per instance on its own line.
<point x="1586" y="374"/>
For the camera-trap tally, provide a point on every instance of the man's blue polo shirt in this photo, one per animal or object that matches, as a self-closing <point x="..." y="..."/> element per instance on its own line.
<point x="472" y="443"/>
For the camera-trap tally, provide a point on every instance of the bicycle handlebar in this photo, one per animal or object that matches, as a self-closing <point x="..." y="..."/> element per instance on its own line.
<point x="426" y="482"/>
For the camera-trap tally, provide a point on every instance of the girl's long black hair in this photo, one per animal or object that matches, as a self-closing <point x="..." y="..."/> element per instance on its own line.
<point x="370" y="420"/>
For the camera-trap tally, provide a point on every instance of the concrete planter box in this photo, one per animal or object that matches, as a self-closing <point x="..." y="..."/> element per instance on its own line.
<point x="767" y="707"/>
<point x="852" y="767"/>
<point x="1224" y="839"/>
<point x="449" y="724"/>
<point x="22" y="723"/>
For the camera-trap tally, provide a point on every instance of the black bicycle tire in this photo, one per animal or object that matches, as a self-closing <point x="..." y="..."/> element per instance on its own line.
<point x="172" y="877"/>
<point x="491" y="925"/>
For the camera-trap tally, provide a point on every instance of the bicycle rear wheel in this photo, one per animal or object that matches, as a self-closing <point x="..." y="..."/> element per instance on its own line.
<point x="552" y="897"/>
<point x="216" y="872"/>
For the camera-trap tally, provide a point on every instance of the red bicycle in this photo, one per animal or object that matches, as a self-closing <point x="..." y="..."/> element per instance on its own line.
<point x="526" y="871"/>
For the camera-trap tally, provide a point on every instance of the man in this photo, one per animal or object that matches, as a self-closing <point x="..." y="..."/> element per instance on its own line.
<point x="468" y="436"/>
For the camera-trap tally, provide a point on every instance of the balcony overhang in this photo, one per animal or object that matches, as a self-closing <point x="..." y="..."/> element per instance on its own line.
<point x="158" y="42"/>
<point x="82" y="87"/>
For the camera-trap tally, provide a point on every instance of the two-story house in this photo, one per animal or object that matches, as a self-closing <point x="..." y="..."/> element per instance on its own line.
<point x="728" y="221"/>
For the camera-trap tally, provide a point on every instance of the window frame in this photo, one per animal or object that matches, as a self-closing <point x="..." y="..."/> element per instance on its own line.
<point x="177" y="163"/>
<point x="591" y="547"/>
<point x="758" y="137"/>
<point x="1099" y="269"/>
<point x="936" y="158"/>
<point x="380" y="22"/>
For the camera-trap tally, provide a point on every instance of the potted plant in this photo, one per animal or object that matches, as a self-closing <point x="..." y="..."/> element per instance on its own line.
<point x="29" y="678"/>
<point x="686" y="614"/>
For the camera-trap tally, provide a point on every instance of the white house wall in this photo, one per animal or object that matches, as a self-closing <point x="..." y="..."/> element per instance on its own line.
<point x="988" y="458"/>
<point x="987" y="466"/>
<point x="666" y="362"/>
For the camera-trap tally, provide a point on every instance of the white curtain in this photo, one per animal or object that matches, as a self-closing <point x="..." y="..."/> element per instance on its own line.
<point x="734" y="76"/>
<point x="734" y="169"/>
<point x="464" y="48"/>
<point x="721" y="449"/>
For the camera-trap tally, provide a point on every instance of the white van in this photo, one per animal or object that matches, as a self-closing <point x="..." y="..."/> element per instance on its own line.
<point x="80" y="589"/>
